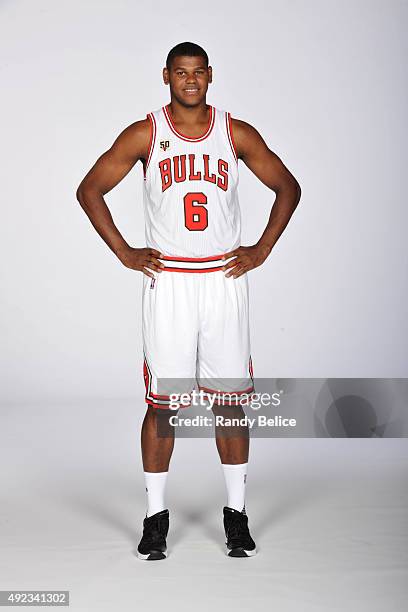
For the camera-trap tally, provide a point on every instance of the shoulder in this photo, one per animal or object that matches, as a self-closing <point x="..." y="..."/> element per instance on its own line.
<point x="135" y="138"/>
<point x="135" y="131"/>
<point x="245" y="136"/>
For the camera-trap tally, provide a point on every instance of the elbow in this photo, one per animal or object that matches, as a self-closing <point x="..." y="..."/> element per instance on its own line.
<point x="291" y="188"/>
<point x="80" y="194"/>
<point x="298" y="192"/>
<point x="87" y="192"/>
<point x="84" y="194"/>
<point x="295" y="190"/>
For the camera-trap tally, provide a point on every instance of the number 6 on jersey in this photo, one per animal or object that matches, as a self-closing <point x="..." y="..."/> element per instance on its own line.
<point x="195" y="215"/>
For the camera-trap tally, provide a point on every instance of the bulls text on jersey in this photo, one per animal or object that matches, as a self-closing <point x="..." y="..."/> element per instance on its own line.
<point x="179" y="168"/>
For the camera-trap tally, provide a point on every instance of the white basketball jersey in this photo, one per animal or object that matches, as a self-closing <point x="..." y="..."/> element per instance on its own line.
<point x="190" y="188"/>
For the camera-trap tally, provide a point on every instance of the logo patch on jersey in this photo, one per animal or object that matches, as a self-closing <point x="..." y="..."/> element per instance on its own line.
<point x="164" y="144"/>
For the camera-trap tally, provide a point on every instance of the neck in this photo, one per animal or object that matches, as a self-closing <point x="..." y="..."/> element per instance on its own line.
<point x="188" y="114"/>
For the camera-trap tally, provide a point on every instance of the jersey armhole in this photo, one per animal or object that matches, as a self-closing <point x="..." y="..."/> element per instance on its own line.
<point x="152" y="140"/>
<point x="231" y="135"/>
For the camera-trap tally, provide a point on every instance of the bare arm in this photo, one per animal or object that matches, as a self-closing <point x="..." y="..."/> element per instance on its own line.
<point x="130" y="146"/>
<point x="269" y="168"/>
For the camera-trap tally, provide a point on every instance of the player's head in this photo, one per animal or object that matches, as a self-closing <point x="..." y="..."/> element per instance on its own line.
<point x="187" y="73"/>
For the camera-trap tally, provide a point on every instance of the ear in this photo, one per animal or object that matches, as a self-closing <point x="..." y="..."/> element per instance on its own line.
<point x="166" y="78"/>
<point x="210" y="74"/>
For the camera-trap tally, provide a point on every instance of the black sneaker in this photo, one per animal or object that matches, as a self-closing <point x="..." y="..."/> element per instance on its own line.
<point x="239" y="542"/>
<point x="153" y="543"/>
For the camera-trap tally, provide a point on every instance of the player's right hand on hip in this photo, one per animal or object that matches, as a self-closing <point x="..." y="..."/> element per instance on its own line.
<point x="146" y="260"/>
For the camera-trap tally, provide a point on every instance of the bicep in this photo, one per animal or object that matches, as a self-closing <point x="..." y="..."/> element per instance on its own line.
<point x="113" y="165"/>
<point x="257" y="156"/>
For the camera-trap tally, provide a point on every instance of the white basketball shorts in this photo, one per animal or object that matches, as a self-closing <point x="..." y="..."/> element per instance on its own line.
<point x="196" y="332"/>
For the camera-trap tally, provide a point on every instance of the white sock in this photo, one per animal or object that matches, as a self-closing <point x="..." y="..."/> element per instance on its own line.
<point x="235" y="479"/>
<point x="155" y="485"/>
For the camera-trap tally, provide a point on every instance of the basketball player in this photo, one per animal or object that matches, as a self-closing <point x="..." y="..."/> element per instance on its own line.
<point x="195" y="287"/>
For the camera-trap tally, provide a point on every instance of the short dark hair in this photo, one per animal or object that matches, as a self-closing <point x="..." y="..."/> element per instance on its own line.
<point x="186" y="48"/>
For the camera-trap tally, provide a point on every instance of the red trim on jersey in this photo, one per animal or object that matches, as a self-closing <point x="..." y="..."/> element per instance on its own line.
<point x="228" y="122"/>
<point x="148" y="379"/>
<point x="207" y="390"/>
<point x="197" y="271"/>
<point x="152" y="140"/>
<point x="193" y="260"/>
<point x="164" y="407"/>
<point x="251" y="370"/>
<point x="147" y="375"/>
<point x="183" y="136"/>
<point x="156" y="396"/>
<point x="212" y="258"/>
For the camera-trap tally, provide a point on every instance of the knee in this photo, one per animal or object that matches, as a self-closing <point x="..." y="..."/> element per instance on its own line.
<point x="160" y="416"/>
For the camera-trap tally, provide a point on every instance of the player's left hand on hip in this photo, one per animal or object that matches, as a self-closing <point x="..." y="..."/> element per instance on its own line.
<point x="245" y="259"/>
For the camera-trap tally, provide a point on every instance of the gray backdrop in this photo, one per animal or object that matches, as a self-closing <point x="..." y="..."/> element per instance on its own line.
<point x="325" y="83"/>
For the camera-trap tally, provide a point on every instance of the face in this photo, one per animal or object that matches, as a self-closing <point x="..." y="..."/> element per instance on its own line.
<point x="188" y="78"/>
